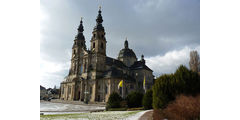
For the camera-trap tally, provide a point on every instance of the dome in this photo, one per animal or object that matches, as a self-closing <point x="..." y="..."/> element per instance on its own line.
<point x="126" y="52"/>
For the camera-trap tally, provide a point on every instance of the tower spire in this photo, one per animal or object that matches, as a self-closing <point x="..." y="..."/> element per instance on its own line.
<point x="98" y="41"/>
<point x="99" y="21"/>
<point x="80" y="31"/>
<point x="80" y="28"/>
<point x="126" y="44"/>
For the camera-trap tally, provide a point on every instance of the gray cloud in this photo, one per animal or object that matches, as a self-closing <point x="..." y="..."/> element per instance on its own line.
<point x="170" y="61"/>
<point x="153" y="27"/>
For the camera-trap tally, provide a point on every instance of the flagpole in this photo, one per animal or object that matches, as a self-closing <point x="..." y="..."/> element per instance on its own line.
<point x="144" y="83"/>
<point x="122" y="89"/>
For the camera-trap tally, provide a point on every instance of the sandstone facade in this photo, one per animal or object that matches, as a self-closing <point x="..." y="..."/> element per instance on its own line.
<point x="93" y="76"/>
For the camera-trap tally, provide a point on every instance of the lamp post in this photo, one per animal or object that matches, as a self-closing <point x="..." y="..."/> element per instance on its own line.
<point x="137" y="80"/>
<point x="85" y="98"/>
<point x="85" y="93"/>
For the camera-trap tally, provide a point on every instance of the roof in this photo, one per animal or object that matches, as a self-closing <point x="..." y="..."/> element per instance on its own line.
<point x="139" y="65"/>
<point x="115" y="62"/>
<point x="113" y="72"/>
<point x="42" y="88"/>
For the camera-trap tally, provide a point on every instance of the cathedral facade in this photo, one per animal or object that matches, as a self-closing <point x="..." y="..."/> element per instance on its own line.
<point x="93" y="76"/>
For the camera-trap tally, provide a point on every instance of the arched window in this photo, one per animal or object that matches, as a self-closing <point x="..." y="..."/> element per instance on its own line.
<point x="94" y="45"/>
<point x="85" y="66"/>
<point x="102" y="45"/>
<point x="106" y="89"/>
<point x="90" y="90"/>
<point x="62" y="89"/>
<point x="81" y="69"/>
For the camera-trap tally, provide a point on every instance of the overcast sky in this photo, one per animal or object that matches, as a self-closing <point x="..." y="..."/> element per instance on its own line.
<point x="165" y="31"/>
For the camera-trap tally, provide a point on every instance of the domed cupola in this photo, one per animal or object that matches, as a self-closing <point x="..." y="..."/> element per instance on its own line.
<point x="126" y="55"/>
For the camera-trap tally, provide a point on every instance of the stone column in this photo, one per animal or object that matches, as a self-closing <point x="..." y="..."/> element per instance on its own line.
<point x="81" y="91"/>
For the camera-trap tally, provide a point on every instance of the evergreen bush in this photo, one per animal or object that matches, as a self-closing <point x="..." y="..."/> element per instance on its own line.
<point x="114" y="100"/>
<point x="147" y="100"/>
<point x="134" y="99"/>
<point x="168" y="86"/>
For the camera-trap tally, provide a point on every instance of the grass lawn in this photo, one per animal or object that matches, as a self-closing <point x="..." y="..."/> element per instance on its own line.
<point x="106" y="115"/>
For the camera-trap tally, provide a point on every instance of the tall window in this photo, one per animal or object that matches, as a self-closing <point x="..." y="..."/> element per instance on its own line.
<point x="102" y="45"/>
<point x="94" y="45"/>
<point x="62" y="90"/>
<point x="69" y="89"/>
<point x="81" y="69"/>
<point x="90" y="90"/>
<point x="106" y="89"/>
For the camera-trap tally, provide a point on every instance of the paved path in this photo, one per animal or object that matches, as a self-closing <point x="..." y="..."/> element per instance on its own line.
<point x="147" y="115"/>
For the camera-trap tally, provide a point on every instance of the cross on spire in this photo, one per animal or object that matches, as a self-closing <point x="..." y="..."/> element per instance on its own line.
<point x="80" y="28"/>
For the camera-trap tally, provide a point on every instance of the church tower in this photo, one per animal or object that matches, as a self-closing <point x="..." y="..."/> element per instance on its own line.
<point x="77" y="52"/>
<point x="98" y="41"/>
<point x="98" y="44"/>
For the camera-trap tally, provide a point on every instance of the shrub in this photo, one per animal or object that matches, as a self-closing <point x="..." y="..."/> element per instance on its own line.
<point x="164" y="90"/>
<point x="114" y="100"/>
<point x="123" y="104"/>
<point x="167" y="86"/>
<point x="183" y="108"/>
<point x="134" y="109"/>
<point x="157" y="115"/>
<point x="117" y="109"/>
<point x="147" y="100"/>
<point x="134" y="99"/>
<point x="188" y="81"/>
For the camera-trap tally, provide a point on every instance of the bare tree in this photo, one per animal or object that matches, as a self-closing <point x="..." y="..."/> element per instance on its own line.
<point x="194" y="62"/>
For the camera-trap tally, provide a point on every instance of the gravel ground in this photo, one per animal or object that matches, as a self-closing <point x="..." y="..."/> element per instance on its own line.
<point x="60" y="107"/>
<point x="62" y="111"/>
<point x="106" y="115"/>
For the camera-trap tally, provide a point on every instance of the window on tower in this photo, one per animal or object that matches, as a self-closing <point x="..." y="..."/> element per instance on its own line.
<point x="106" y="89"/>
<point x="81" y="69"/>
<point x="62" y="89"/>
<point x="102" y="45"/>
<point x="94" y="45"/>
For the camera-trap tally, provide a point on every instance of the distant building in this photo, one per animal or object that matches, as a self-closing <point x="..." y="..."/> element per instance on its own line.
<point x="49" y="93"/>
<point x="93" y="76"/>
<point x="43" y="92"/>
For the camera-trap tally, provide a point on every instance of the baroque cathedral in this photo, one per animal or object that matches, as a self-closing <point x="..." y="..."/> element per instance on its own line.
<point x="93" y="76"/>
